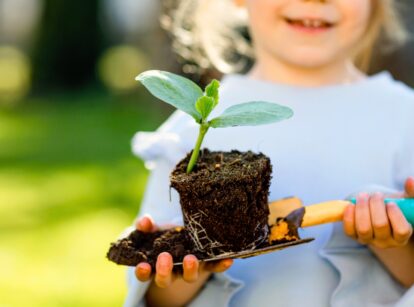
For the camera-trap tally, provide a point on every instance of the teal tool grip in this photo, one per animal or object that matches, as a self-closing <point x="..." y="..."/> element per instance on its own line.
<point x="405" y="204"/>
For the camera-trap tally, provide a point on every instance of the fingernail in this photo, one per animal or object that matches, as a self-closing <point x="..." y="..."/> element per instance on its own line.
<point x="164" y="260"/>
<point x="362" y="196"/>
<point x="190" y="264"/>
<point x="148" y="218"/>
<point x="145" y="217"/>
<point x="163" y="263"/>
<point x="142" y="270"/>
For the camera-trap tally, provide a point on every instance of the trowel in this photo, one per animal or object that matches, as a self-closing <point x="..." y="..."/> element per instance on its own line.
<point x="288" y="215"/>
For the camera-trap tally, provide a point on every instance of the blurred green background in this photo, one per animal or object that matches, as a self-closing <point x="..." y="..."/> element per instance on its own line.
<point x="69" y="107"/>
<point x="68" y="186"/>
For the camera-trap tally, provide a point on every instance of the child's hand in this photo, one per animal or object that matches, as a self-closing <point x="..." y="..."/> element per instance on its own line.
<point x="372" y="222"/>
<point x="164" y="276"/>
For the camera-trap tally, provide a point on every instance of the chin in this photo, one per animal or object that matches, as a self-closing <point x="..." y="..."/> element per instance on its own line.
<point x="309" y="58"/>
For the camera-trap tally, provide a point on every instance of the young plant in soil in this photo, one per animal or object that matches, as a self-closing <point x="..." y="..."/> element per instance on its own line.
<point x="223" y="195"/>
<point x="188" y="97"/>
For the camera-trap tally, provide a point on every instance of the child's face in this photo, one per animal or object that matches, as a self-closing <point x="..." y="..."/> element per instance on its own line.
<point x="308" y="33"/>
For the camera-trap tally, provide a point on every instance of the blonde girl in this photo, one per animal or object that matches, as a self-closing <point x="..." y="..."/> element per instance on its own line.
<point x="351" y="133"/>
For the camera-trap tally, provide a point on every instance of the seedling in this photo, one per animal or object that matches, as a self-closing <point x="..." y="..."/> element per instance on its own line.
<point x="188" y="97"/>
<point x="225" y="212"/>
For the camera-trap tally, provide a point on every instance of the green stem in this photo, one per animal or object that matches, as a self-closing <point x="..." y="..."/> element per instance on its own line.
<point x="194" y="156"/>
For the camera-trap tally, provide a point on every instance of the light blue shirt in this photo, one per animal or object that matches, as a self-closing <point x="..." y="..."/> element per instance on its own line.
<point x="342" y="139"/>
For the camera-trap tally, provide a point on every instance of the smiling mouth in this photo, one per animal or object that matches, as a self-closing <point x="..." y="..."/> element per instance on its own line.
<point x="310" y="23"/>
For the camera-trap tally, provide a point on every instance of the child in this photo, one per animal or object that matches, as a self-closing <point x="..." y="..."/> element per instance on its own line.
<point x="350" y="133"/>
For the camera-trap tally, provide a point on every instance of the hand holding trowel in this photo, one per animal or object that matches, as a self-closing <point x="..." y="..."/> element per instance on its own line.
<point x="287" y="215"/>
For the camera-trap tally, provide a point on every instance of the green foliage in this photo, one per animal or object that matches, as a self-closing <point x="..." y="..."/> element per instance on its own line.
<point x="251" y="114"/>
<point x="173" y="89"/>
<point x="188" y="97"/>
<point x="69" y="185"/>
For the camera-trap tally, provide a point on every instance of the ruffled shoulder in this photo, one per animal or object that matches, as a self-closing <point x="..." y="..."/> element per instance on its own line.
<point x="171" y="141"/>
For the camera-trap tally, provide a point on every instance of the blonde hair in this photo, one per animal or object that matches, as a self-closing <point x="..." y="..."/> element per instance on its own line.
<point x="212" y="34"/>
<point x="385" y="28"/>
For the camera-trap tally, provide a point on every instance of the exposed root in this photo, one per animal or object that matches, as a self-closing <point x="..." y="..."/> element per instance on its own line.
<point x="199" y="235"/>
<point x="260" y="238"/>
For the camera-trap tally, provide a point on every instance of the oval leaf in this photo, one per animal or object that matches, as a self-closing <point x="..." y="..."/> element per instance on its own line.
<point x="173" y="89"/>
<point x="251" y="114"/>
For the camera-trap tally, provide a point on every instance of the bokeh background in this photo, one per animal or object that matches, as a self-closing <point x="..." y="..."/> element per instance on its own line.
<point x="69" y="107"/>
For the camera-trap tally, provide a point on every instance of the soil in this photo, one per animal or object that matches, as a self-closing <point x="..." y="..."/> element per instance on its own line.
<point x="145" y="247"/>
<point x="224" y="201"/>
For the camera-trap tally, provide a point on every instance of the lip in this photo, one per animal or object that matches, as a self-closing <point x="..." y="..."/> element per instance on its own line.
<point x="309" y="25"/>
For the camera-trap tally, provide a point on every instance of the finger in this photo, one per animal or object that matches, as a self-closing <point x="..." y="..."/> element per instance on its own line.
<point x="409" y="187"/>
<point x="401" y="229"/>
<point x="164" y="266"/>
<point x="349" y="221"/>
<point x="145" y="224"/>
<point x="190" y="268"/>
<point x="379" y="217"/>
<point x="143" y="271"/>
<point x="363" y="219"/>
<point x="219" y="266"/>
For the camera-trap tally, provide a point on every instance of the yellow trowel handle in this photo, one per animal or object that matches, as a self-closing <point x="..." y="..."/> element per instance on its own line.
<point x="329" y="211"/>
<point x="326" y="212"/>
<point x="332" y="211"/>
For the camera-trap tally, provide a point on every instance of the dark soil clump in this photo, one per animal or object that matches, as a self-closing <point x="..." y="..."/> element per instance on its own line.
<point x="145" y="247"/>
<point x="225" y="200"/>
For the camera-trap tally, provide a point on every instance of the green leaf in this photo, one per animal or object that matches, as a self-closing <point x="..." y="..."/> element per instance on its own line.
<point x="212" y="90"/>
<point x="173" y="89"/>
<point x="204" y="106"/>
<point x="251" y="114"/>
